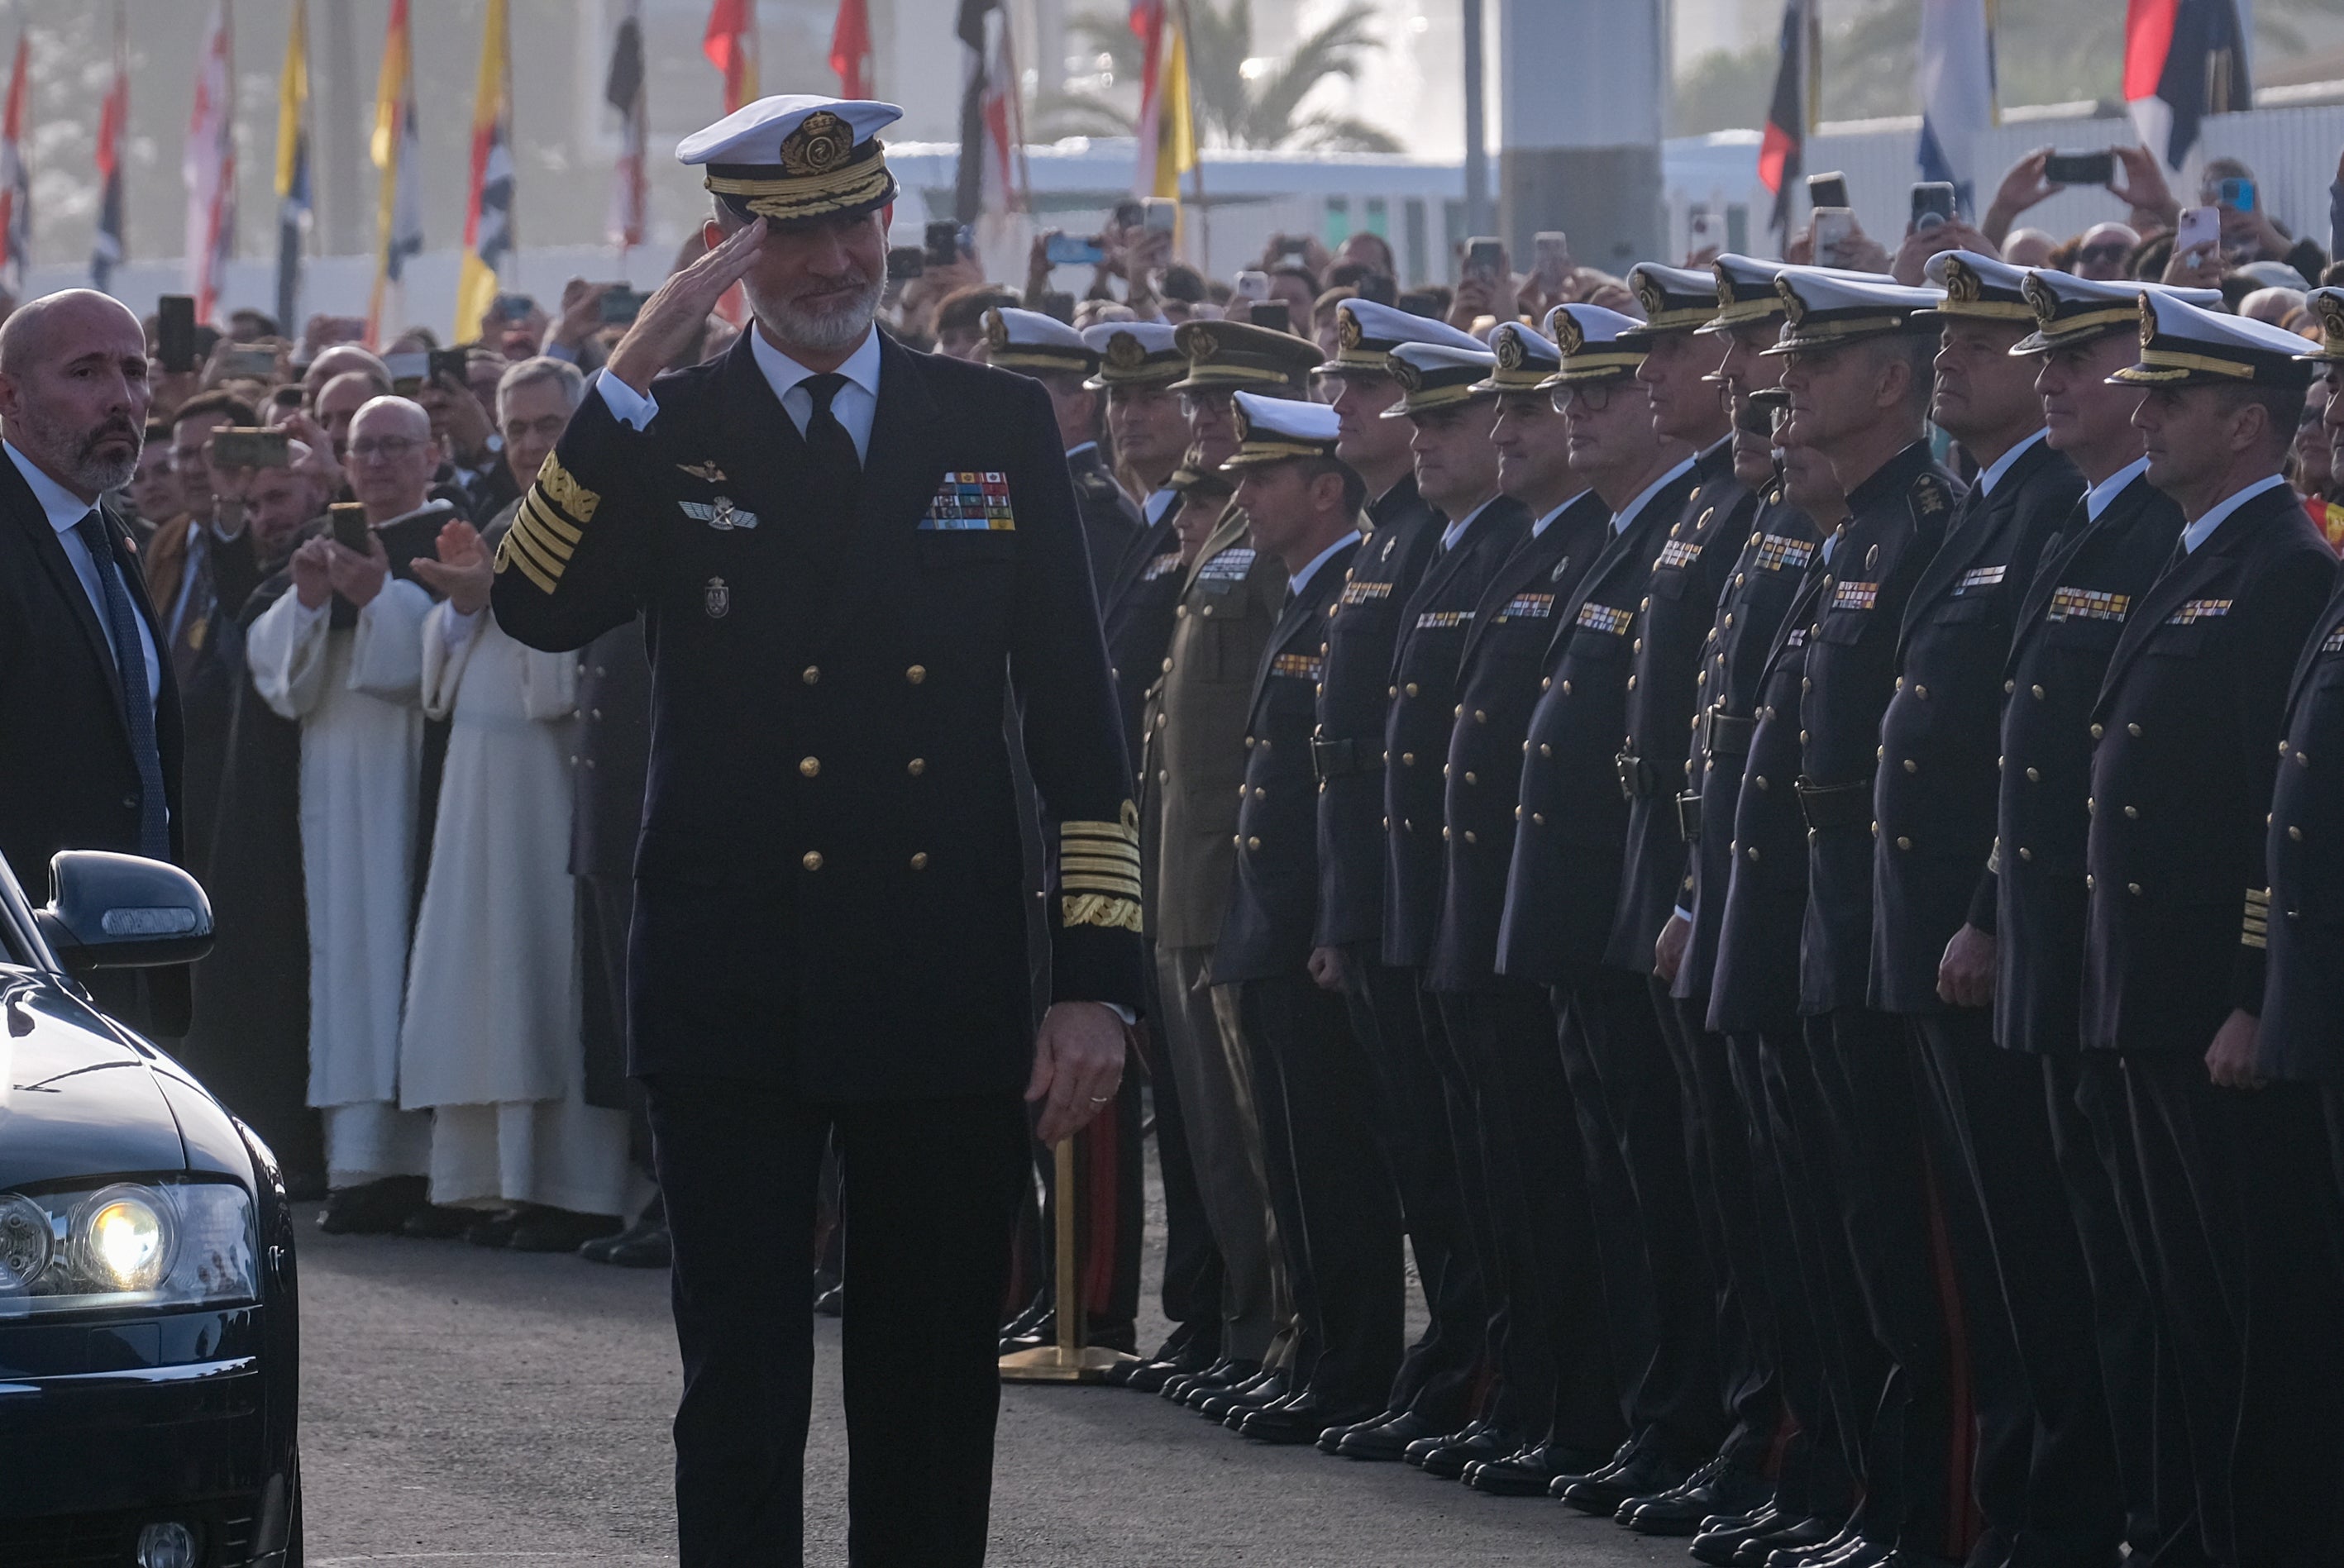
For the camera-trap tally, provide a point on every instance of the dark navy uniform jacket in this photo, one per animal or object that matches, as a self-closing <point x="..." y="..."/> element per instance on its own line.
<point x="1688" y="575"/>
<point x="1497" y="687"/>
<point x="2188" y="723"/>
<point x="1423" y="698"/>
<point x="2090" y="580"/>
<point x="830" y="893"/>
<point x="1110" y="522"/>
<point x="2302" y="1034"/>
<point x="1896" y="518"/>
<point x="1363" y="629"/>
<point x="1933" y="795"/>
<point x="613" y="749"/>
<point x="1274" y="897"/>
<point x="1562" y="889"/>
<point x="1139" y="608"/>
<point x="1773" y="561"/>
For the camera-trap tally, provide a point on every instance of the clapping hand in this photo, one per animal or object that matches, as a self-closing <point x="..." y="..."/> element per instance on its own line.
<point x="463" y="573"/>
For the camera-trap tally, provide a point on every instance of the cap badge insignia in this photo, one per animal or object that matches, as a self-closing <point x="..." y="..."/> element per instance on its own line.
<point x="1409" y="377"/>
<point x="1963" y="285"/>
<point x="1348" y="333"/>
<point x="2147" y="321"/>
<point x="1204" y="344"/>
<point x="1244" y="425"/>
<point x="1650" y="295"/>
<point x="996" y="331"/>
<point x="1795" y="309"/>
<point x="2040" y="296"/>
<point x="1509" y="349"/>
<point x="1570" y="334"/>
<point x="1125" y="352"/>
<point x="2331" y="318"/>
<point x="718" y="598"/>
<point x="821" y="143"/>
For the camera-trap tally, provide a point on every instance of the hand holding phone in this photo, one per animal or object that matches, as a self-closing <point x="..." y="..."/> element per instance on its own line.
<point x="2080" y="168"/>
<point x="1834" y="227"/>
<point x="1070" y="250"/>
<point x="1827" y="190"/>
<point x="243" y="446"/>
<point x="1253" y="283"/>
<point x="2200" y="231"/>
<point x="1484" y="257"/>
<point x="1551" y="253"/>
<point x="174" y="333"/>
<point x="1933" y="205"/>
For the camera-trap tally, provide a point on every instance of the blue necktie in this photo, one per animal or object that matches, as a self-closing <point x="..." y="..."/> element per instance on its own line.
<point x="130" y="674"/>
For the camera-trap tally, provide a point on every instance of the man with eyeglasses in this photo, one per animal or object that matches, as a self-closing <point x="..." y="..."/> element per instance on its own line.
<point x="2102" y="253"/>
<point x="342" y="654"/>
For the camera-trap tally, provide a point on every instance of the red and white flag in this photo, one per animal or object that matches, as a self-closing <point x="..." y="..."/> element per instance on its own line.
<point x="208" y="165"/>
<point x="849" y="48"/>
<point x="16" y="180"/>
<point x="622" y="89"/>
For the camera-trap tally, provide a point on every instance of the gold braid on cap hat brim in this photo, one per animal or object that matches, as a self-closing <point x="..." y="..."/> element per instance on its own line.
<point x="788" y="198"/>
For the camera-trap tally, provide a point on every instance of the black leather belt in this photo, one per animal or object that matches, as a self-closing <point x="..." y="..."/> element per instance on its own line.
<point x="1638" y="777"/>
<point x="1836" y="805"/>
<point x="1722" y="735"/>
<point x="1342" y="759"/>
<point x="1689" y="816"/>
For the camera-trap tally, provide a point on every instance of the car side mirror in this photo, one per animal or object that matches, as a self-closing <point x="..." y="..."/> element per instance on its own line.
<point x="110" y="911"/>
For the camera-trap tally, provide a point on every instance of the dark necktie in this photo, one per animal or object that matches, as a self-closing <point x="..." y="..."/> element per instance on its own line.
<point x="130" y="676"/>
<point x="833" y="472"/>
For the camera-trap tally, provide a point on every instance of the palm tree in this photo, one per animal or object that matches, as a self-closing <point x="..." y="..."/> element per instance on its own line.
<point x="1241" y="101"/>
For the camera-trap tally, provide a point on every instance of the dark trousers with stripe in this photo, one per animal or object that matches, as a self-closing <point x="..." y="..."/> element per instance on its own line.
<point x="1915" y="1455"/>
<point x="2047" y="1478"/>
<point x="1557" y="1381"/>
<point x="1718" y="1124"/>
<point x="1442" y="1374"/>
<point x="935" y="1186"/>
<point x="1656" y="1279"/>
<point x="1337" y="1211"/>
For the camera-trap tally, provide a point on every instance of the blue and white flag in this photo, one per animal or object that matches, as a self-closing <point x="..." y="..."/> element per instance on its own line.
<point x="1955" y="59"/>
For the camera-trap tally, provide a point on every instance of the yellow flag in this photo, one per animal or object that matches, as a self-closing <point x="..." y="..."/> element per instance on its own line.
<point x="488" y="223"/>
<point x="1175" y="138"/>
<point x="293" y="105"/>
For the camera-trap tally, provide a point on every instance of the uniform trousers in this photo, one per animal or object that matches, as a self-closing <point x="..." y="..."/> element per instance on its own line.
<point x="1442" y="1374"/>
<point x="2244" y="1271"/>
<point x="1337" y="1211"/>
<point x="936" y="1184"/>
<point x="1557" y="1381"/>
<point x="1203" y="1038"/>
<point x="1657" y="1283"/>
<point x="1916" y="1448"/>
<point x="1718" y="1159"/>
<point x="1822" y="1345"/>
<point x="1192" y="1262"/>
<point x="2047" y="1470"/>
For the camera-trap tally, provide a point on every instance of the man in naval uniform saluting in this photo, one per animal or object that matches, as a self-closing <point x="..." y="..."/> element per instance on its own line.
<point x="843" y="552"/>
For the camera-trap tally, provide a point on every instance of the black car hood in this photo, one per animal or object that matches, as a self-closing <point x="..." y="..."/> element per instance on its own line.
<point x="74" y="1101"/>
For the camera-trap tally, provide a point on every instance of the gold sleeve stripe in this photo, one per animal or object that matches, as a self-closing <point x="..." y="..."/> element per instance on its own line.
<point x="562" y="489"/>
<point x="1073" y="863"/>
<point x="1090" y="909"/>
<point x="1117" y="831"/>
<point x="2255" y="932"/>
<point x="529" y="522"/>
<point x="507" y="555"/>
<point x="526" y="547"/>
<point x="1126" y="886"/>
<point x="1100" y="847"/>
<point x="534" y="506"/>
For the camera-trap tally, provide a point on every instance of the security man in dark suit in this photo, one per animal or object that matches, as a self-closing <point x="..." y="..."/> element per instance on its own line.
<point x="1562" y="898"/>
<point x="1055" y="354"/>
<point x="1720" y="1078"/>
<point x="2107" y="551"/>
<point x="1337" y="1209"/>
<point x="1550" y="1391"/>
<point x="1856" y="365"/>
<point x="1230" y="597"/>
<point x="2190" y="724"/>
<point x="2045" y="1476"/>
<point x="1441" y="1373"/>
<point x="868" y="549"/>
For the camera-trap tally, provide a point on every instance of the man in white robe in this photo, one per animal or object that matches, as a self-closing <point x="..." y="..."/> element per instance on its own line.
<point x="490" y="1042"/>
<point x="342" y="655"/>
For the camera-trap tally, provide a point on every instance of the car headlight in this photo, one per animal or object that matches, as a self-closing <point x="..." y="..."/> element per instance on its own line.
<point x="127" y="1244"/>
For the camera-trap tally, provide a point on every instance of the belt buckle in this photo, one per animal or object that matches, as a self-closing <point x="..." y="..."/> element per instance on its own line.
<point x="1689" y="816"/>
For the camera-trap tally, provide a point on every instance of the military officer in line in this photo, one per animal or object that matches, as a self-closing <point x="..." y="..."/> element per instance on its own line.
<point x="871" y="550"/>
<point x="1554" y="1389"/>
<point x="1856" y="363"/>
<point x="1571" y="841"/>
<point x="1337" y="1209"/>
<point x="2108" y="550"/>
<point x="2045" y="1473"/>
<point x="2188" y="722"/>
<point x="1111" y="1204"/>
<point x="1230" y="597"/>
<point x="1055" y="354"/>
<point x="1831" y="1367"/>
<point x="1138" y="362"/>
<point x="1438" y="1374"/>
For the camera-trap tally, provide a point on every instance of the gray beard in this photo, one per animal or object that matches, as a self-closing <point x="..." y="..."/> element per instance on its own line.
<point x="827" y="331"/>
<point x="87" y="471"/>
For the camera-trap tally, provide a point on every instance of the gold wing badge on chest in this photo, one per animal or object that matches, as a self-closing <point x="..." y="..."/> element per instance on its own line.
<point x="719" y="514"/>
<point x="707" y="473"/>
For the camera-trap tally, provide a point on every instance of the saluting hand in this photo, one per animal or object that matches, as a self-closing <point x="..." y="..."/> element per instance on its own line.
<point x="677" y="312"/>
<point x="1077" y="1067"/>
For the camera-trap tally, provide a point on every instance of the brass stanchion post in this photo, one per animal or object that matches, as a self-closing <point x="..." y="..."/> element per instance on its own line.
<point x="1068" y="1361"/>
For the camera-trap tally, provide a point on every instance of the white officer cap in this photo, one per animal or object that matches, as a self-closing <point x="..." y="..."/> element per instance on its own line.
<point x="797" y="156"/>
<point x="2185" y="344"/>
<point x="1273" y="429"/>
<point x="1434" y="375"/>
<point x="2069" y="310"/>
<point x="1674" y="299"/>
<point x="1030" y="341"/>
<point x="1823" y="310"/>
<point x="1135" y="354"/>
<point x="1365" y="332"/>
<point x="1526" y="357"/>
<point x="1977" y="289"/>
<point x="1595" y="344"/>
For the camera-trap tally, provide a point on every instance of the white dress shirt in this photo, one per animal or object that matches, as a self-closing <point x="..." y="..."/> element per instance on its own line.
<point x="65" y="511"/>
<point x="1456" y="530"/>
<point x="1628" y="513"/>
<point x="2096" y="498"/>
<point x="1301" y="579"/>
<point x="1159" y="502"/>
<point x="856" y="406"/>
<point x="1991" y="475"/>
<point x="2199" y="532"/>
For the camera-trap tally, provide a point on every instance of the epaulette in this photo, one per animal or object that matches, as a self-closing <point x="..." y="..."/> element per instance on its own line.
<point x="1930" y="496"/>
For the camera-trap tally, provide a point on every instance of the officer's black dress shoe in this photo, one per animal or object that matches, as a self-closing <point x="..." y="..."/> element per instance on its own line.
<point x="1802" y="1545"/>
<point x="1641" y="1474"/>
<point x="438" y="1223"/>
<point x="1418" y="1452"/>
<point x="1530" y="1472"/>
<point x="1222" y="1373"/>
<point x="1187" y="1349"/>
<point x="1449" y="1461"/>
<point x="1214" y="1404"/>
<point x="372" y="1207"/>
<point x="1022" y="1332"/>
<point x="1298" y="1420"/>
<point x="1752" y="1550"/>
<point x="1719" y="1489"/>
<point x="1045" y="1331"/>
<point x="651" y="1247"/>
<point x="1717" y="1539"/>
<point x="1384" y="1436"/>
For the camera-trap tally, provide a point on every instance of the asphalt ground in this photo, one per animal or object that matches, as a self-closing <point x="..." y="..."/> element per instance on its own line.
<point x="467" y="1407"/>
